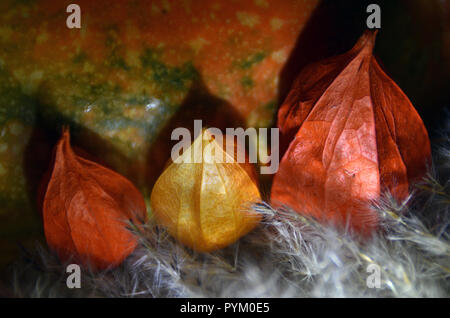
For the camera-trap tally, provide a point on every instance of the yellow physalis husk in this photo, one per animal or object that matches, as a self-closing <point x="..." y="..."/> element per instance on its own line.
<point x="205" y="204"/>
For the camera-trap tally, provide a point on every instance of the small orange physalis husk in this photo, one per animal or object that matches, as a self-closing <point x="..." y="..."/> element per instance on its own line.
<point x="204" y="202"/>
<point x="86" y="208"/>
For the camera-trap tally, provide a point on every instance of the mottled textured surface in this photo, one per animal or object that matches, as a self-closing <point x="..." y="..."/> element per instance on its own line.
<point x="121" y="77"/>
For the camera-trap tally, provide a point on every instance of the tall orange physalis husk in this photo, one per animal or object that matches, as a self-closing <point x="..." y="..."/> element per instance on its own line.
<point x="354" y="135"/>
<point x="85" y="210"/>
<point x="204" y="203"/>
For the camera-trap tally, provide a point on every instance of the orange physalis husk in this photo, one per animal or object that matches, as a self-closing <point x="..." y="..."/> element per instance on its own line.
<point x="356" y="136"/>
<point x="203" y="202"/>
<point x="86" y="209"/>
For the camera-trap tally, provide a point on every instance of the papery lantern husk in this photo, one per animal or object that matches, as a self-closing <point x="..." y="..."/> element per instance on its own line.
<point x="206" y="205"/>
<point x="87" y="209"/>
<point x="353" y="135"/>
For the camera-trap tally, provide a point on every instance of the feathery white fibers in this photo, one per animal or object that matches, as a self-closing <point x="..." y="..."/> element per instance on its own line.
<point x="288" y="255"/>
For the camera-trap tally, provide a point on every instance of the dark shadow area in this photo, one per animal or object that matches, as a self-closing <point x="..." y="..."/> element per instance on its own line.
<point x="198" y="104"/>
<point x="327" y="33"/>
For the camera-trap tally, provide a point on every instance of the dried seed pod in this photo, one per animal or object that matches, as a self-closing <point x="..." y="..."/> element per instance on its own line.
<point x="85" y="210"/>
<point x="353" y="134"/>
<point x="205" y="202"/>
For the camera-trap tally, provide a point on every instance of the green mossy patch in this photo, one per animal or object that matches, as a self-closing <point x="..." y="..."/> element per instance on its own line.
<point x="170" y="77"/>
<point x="252" y="60"/>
